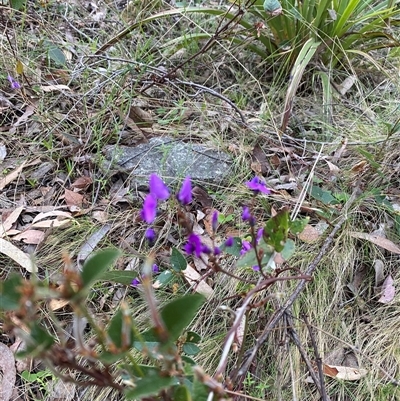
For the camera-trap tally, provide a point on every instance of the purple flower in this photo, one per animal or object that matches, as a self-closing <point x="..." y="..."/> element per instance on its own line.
<point x="229" y="242"/>
<point x="256" y="268"/>
<point x="258" y="185"/>
<point x="185" y="194"/>
<point x="246" y="246"/>
<point x="155" y="268"/>
<point x="259" y="235"/>
<point x="216" y="251"/>
<point x="246" y="216"/>
<point x="149" y="210"/>
<point x="135" y="282"/>
<point x="13" y="83"/>
<point x="215" y="221"/>
<point x="195" y="247"/>
<point x="150" y="235"/>
<point x="157" y="187"/>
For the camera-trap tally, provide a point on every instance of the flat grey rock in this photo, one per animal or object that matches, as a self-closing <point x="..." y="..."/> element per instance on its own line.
<point x="172" y="160"/>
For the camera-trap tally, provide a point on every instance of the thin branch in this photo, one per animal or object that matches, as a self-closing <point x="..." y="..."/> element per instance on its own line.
<point x="300" y="287"/>
<point x="318" y="359"/>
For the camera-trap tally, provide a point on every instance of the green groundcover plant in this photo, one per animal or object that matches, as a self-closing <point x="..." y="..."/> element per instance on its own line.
<point x="110" y="357"/>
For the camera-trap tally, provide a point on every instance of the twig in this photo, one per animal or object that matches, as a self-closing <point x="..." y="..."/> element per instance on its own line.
<point x="318" y="359"/>
<point x="296" y="340"/>
<point x="300" y="287"/>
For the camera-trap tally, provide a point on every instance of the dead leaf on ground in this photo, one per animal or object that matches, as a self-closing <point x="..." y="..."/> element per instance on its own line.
<point x="309" y="235"/>
<point x="193" y="278"/>
<point x="52" y="88"/>
<point x="61" y="391"/>
<point x="379" y="274"/>
<point x="89" y="246"/>
<point x="334" y="170"/>
<point x="10" y="177"/>
<point x="34" y="237"/>
<point x="380" y="241"/>
<point x="6" y="248"/>
<point x="73" y="198"/>
<point x="82" y="183"/>
<point x="142" y="118"/>
<point x="7" y="379"/>
<point x="344" y="372"/>
<point x="259" y="161"/>
<point x="202" y="197"/>
<point x="10" y="220"/>
<point x="359" y="168"/>
<point x="59" y="214"/>
<point x="388" y="290"/>
<point x="22" y="120"/>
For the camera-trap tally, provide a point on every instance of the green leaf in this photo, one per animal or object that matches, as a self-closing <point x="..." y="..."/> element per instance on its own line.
<point x="200" y="391"/>
<point x="322" y="195"/>
<point x="233" y="250"/>
<point x="370" y="157"/>
<point x="39" y="341"/>
<point x="178" y="261"/>
<point x="276" y="230"/>
<point x="190" y="349"/>
<point x="108" y="358"/>
<point x="192" y="337"/>
<point x="149" y="385"/>
<point x="288" y="250"/>
<point x="179" y="313"/>
<point x="272" y="7"/>
<point x="120" y="329"/>
<point x="56" y="55"/>
<point x="182" y="393"/>
<point x="164" y="278"/>
<point x="17" y="4"/>
<point x="297" y="226"/>
<point x="10" y="295"/>
<point x="188" y="360"/>
<point x="249" y="259"/>
<point x="95" y="267"/>
<point x="124" y="277"/>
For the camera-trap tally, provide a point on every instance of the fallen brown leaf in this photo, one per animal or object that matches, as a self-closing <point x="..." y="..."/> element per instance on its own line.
<point x="10" y="177"/>
<point x="7" y="380"/>
<point x="10" y="220"/>
<point x="16" y="254"/>
<point x="309" y="235"/>
<point x="34" y="237"/>
<point x="344" y="372"/>
<point x="377" y="240"/>
<point x="73" y="198"/>
<point x="388" y="291"/>
<point x="193" y="278"/>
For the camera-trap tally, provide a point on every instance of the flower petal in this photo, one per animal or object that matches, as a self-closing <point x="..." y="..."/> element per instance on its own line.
<point x="185" y="194"/>
<point x="157" y="187"/>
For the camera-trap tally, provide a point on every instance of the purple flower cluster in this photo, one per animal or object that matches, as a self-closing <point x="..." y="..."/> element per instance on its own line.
<point x="258" y="185"/>
<point x="13" y="83"/>
<point x="159" y="192"/>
